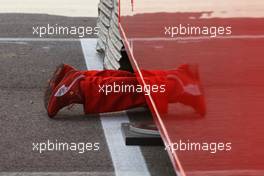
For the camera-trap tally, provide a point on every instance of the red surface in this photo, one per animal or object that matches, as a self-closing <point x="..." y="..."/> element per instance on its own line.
<point x="232" y="71"/>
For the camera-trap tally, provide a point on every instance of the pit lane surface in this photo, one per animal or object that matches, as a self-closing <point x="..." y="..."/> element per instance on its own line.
<point x="25" y="67"/>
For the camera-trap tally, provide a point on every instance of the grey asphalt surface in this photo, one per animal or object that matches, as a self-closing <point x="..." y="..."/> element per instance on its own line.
<point x="21" y="25"/>
<point x="24" y="70"/>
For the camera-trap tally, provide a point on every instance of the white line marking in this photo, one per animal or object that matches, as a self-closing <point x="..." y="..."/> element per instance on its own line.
<point x="127" y="160"/>
<point x="31" y="39"/>
<point x="196" y="38"/>
<point x="92" y="58"/>
<point x="25" y="39"/>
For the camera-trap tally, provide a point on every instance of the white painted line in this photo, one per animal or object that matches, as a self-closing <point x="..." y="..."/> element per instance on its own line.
<point x="31" y="39"/>
<point x="195" y="38"/>
<point x="25" y="39"/>
<point x="127" y="160"/>
<point x="92" y="58"/>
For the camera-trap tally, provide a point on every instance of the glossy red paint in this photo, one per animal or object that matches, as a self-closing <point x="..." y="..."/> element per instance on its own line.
<point x="231" y="69"/>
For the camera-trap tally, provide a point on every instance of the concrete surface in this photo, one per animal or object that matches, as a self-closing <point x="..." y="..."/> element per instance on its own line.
<point x="77" y="8"/>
